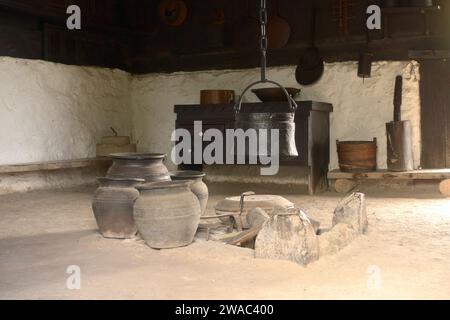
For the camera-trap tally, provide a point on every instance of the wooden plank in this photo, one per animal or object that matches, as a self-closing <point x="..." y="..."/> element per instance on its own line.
<point x="245" y="236"/>
<point x="55" y="165"/>
<point x="434" y="102"/>
<point x="429" y="54"/>
<point x="421" y="10"/>
<point x="446" y="134"/>
<point x="436" y="174"/>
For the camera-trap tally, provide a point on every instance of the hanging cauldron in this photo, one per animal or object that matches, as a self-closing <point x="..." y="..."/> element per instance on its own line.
<point x="283" y="121"/>
<point x="148" y="166"/>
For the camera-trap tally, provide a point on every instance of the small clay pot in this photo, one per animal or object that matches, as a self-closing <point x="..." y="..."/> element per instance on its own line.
<point x="198" y="187"/>
<point x="113" y="207"/>
<point x="167" y="214"/>
<point x="148" y="166"/>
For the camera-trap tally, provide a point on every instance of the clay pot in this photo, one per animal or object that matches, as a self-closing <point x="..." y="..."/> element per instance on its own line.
<point x="197" y="186"/>
<point x="148" y="166"/>
<point x="167" y="214"/>
<point x="113" y="207"/>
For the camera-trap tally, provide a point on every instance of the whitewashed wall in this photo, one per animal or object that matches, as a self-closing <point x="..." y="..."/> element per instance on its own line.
<point x="54" y="112"/>
<point x="361" y="109"/>
<point x="51" y="111"/>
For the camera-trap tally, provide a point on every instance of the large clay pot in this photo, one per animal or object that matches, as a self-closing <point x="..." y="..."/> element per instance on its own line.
<point x="113" y="207"/>
<point x="198" y="187"/>
<point x="167" y="214"/>
<point x="148" y="166"/>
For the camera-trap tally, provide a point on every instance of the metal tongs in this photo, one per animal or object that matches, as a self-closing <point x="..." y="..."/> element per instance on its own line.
<point x="234" y="219"/>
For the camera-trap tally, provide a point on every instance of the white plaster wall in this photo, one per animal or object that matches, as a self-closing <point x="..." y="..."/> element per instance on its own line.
<point x="52" y="111"/>
<point x="361" y="109"/>
<point x="55" y="112"/>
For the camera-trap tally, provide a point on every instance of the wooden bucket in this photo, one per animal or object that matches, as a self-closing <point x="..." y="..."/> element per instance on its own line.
<point x="357" y="156"/>
<point x="217" y="96"/>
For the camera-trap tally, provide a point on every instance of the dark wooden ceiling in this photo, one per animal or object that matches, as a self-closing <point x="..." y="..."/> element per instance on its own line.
<point x="129" y="34"/>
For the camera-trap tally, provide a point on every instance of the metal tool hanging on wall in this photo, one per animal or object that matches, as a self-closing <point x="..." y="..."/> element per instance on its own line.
<point x="311" y="66"/>
<point x="365" y="60"/>
<point x="283" y="121"/>
<point x="399" y="136"/>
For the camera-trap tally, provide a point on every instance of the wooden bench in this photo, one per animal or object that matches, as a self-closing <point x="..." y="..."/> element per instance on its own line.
<point x="55" y="165"/>
<point x="345" y="181"/>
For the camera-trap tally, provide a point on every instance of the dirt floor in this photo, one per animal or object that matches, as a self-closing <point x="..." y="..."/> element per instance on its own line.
<point x="406" y="251"/>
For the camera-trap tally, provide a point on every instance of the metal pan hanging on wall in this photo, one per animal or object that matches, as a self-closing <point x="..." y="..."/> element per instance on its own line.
<point x="173" y="12"/>
<point x="278" y="30"/>
<point x="311" y="66"/>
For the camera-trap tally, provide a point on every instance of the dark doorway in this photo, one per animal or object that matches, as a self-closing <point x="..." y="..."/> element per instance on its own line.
<point x="435" y="113"/>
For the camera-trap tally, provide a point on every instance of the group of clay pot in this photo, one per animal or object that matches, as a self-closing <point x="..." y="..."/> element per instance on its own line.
<point x="139" y="194"/>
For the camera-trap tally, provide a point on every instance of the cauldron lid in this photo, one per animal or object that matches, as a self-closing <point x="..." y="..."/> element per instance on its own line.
<point x="137" y="156"/>
<point x="163" y="185"/>
<point x="186" y="174"/>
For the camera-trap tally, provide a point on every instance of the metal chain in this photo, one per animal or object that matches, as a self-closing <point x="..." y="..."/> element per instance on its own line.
<point x="264" y="41"/>
<point x="263" y="47"/>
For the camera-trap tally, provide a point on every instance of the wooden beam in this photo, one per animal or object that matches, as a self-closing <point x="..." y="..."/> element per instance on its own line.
<point x="433" y="174"/>
<point x="331" y="50"/>
<point x="429" y="54"/>
<point x="431" y="9"/>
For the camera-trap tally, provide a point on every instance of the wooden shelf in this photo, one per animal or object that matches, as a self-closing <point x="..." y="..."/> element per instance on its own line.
<point x="434" y="174"/>
<point x="55" y="165"/>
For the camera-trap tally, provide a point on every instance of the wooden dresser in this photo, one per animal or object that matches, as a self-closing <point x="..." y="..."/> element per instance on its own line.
<point x="312" y="132"/>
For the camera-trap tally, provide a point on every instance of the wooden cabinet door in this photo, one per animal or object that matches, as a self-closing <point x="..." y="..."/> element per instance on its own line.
<point x="435" y="113"/>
